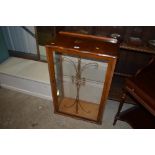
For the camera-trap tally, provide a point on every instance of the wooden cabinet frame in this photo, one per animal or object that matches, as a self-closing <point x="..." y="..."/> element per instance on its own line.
<point x="110" y="58"/>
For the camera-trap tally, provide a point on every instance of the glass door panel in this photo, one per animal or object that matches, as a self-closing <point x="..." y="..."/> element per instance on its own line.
<point x="80" y="84"/>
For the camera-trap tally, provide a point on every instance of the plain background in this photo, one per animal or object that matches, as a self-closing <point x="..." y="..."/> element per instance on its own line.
<point x="77" y="13"/>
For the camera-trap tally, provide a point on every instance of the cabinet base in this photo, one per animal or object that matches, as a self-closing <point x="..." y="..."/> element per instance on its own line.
<point x="90" y="113"/>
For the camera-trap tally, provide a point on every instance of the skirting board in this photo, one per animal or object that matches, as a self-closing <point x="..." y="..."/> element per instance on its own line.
<point x="43" y="90"/>
<point x="26" y="86"/>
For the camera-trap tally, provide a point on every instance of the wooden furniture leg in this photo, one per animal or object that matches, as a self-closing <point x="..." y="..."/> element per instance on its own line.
<point x="123" y="98"/>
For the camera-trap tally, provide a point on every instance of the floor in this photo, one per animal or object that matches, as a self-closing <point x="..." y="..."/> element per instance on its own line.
<point x="18" y="110"/>
<point x="22" y="111"/>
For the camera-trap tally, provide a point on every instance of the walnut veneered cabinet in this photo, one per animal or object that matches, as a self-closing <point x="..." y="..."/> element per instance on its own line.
<point x="81" y="69"/>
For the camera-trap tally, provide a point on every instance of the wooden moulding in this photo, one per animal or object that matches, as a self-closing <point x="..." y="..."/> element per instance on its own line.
<point x="106" y="39"/>
<point x="85" y="51"/>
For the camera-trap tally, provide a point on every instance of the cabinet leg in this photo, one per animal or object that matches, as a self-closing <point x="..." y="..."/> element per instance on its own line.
<point x="123" y="98"/>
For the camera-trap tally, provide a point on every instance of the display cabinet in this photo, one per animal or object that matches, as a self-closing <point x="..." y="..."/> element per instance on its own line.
<point x="81" y="68"/>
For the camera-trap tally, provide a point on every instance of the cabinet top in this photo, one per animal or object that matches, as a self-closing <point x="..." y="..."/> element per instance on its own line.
<point x="83" y="43"/>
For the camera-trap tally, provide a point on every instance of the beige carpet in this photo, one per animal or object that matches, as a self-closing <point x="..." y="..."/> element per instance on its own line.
<point x="18" y="110"/>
